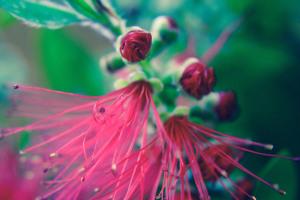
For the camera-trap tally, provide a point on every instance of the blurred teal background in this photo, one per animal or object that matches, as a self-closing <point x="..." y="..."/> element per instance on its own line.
<point x="260" y="62"/>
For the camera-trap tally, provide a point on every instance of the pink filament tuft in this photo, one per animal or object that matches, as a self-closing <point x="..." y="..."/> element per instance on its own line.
<point x="188" y="144"/>
<point x="89" y="145"/>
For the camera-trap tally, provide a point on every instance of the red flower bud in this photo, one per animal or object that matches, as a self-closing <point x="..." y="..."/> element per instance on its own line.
<point x="197" y="80"/>
<point x="135" y="45"/>
<point x="227" y="107"/>
<point x="208" y="169"/>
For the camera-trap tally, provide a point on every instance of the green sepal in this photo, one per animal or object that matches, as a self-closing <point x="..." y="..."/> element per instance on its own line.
<point x="112" y="62"/>
<point x="170" y="92"/>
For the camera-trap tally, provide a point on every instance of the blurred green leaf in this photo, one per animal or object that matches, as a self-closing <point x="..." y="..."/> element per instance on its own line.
<point x="68" y="66"/>
<point x="97" y="12"/>
<point x="282" y="172"/>
<point x="12" y="65"/>
<point x="239" y="6"/>
<point x="5" y="18"/>
<point x="24" y="140"/>
<point x="41" y="13"/>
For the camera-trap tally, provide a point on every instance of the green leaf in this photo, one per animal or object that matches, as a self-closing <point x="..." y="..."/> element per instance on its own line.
<point x="282" y="172"/>
<point x="5" y="19"/>
<point x="98" y="13"/>
<point x="68" y="65"/>
<point x="41" y="13"/>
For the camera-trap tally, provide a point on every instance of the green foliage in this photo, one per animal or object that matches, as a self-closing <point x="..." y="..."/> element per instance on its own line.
<point x="5" y="18"/>
<point x="41" y="13"/>
<point x="96" y="12"/>
<point x="68" y="65"/>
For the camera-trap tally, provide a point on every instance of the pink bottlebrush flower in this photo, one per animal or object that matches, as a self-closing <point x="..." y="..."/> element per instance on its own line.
<point x="85" y="142"/>
<point x="187" y="144"/>
<point x="141" y="178"/>
<point x="15" y="182"/>
<point x="197" y="80"/>
<point x="135" y="45"/>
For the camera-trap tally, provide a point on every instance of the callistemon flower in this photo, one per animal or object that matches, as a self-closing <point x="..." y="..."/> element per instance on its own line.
<point x="135" y="45"/>
<point x="139" y="180"/>
<point x="209" y="155"/>
<point x="85" y="142"/>
<point x="16" y="181"/>
<point x="197" y="79"/>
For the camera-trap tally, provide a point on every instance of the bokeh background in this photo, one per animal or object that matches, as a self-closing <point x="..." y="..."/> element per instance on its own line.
<point x="260" y="62"/>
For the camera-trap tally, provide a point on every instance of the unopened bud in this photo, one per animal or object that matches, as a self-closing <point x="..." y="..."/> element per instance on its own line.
<point x="135" y="45"/>
<point x="112" y="62"/>
<point x="219" y="106"/>
<point x="197" y="80"/>
<point x="165" y="29"/>
<point x="227" y="107"/>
